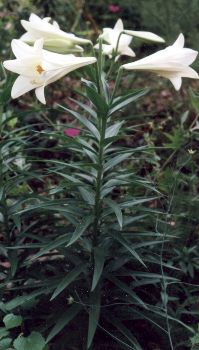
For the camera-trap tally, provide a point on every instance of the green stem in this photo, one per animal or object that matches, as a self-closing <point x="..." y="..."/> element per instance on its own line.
<point x="117" y="82"/>
<point x="99" y="181"/>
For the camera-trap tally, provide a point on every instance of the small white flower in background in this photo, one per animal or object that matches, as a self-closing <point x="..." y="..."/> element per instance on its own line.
<point x="172" y="63"/>
<point x="37" y="67"/>
<point x="111" y="36"/>
<point x="55" y="39"/>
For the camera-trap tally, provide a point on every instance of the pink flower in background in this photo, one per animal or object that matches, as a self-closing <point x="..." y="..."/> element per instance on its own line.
<point x="114" y="8"/>
<point x="71" y="132"/>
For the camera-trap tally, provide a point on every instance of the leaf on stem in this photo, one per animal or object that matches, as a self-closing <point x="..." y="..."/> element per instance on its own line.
<point x="94" y="314"/>
<point x="63" y="320"/>
<point x="99" y="258"/>
<point x="70" y="277"/>
<point x="80" y="229"/>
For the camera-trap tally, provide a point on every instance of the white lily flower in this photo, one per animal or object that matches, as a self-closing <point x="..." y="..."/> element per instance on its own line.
<point x="172" y="63"/>
<point x="117" y="43"/>
<point x="55" y="39"/>
<point x="37" y="67"/>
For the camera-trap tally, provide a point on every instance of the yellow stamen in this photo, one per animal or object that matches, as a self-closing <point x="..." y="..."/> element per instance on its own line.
<point x="39" y="69"/>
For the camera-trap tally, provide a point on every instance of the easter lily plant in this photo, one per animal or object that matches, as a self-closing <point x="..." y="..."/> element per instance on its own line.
<point x="97" y="231"/>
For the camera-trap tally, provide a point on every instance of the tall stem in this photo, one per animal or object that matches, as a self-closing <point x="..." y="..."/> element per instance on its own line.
<point x="99" y="180"/>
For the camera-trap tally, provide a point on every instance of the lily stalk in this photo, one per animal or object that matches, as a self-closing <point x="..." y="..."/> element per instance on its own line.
<point x="102" y="123"/>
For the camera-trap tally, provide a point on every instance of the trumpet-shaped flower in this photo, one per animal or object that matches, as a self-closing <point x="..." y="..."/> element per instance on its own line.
<point x="37" y="67"/>
<point x="172" y="63"/>
<point x="117" y="43"/>
<point x="119" y="39"/>
<point x="55" y="39"/>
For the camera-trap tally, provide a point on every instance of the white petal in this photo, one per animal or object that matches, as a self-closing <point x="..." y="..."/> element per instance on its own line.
<point x="39" y="92"/>
<point x="179" y="42"/>
<point x="27" y="37"/>
<point x="119" y="25"/>
<point x="177" y="82"/>
<point x="106" y="49"/>
<point x="41" y="29"/>
<point x="186" y="56"/>
<point x="145" y="35"/>
<point x="107" y="35"/>
<point x="124" y="40"/>
<point x="127" y="51"/>
<point x="58" y="60"/>
<point x="21" y="86"/>
<point x="38" y="45"/>
<point x="77" y="62"/>
<point x="34" y="18"/>
<point x="24" y="67"/>
<point x="55" y="24"/>
<point x="21" y="49"/>
<point x="189" y="72"/>
<point x="46" y="19"/>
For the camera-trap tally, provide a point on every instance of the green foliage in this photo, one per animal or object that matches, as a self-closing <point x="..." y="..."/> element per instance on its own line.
<point x="34" y="341"/>
<point x="99" y="232"/>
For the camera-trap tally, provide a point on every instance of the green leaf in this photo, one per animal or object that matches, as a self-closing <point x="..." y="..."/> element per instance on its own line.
<point x="127" y="245"/>
<point x="80" y="229"/>
<point x="87" y="195"/>
<point x="63" y="320"/>
<point x="116" y="160"/>
<point x="117" y="210"/>
<point x="26" y="298"/>
<point x="125" y="331"/>
<point x="99" y="258"/>
<point x="194" y="98"/>
<point x="70" y="277"/>
<point x="123" y="100"/>
<point x="12" y="321"/>
<point x="34" y="341"/>
<point x="58" y="242"/>
<point x="113" y="130"/>
<point x="94" y="314"/>
<point x="5" y="343"/>
<point x="84" y="121"/>
<point x="85" y="107"/>
<point x="3" y="332"/>
<point x="13" y="258"/>
<point x="132" y="202"/>
<point x="98" y="101"/>
<point x="127" y="290"/>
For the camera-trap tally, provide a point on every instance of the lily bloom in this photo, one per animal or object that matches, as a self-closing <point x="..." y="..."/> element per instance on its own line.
<point x="55" y="39"/>
<point x="172" y="63"/>
<point x="37" y="67"/>
<point x="119" y="40"/>
<point x="117" y="43"/>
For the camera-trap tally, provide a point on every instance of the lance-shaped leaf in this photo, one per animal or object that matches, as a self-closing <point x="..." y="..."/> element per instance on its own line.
<point x="99" y="258"/>
<point x="80" y="229"/>
<point x="63" y="320"/>
<point x="70" y="277"/>
<point x="127" y="290"/>
<point x="117" y="236"/>
<point x="90" y="126"/>
<point x="97" y="100"/>
<point x="123" y="100"/>
<point x="117" y="210"/>
<point x="94" y="314"/>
